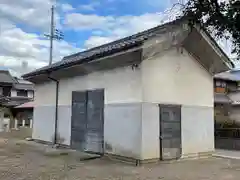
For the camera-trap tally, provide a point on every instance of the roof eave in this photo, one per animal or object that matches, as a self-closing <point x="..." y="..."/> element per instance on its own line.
<point x="223" y="56"/>
<point x="89" y="59"/>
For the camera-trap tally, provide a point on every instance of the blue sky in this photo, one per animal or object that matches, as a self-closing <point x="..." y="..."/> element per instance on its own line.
<point x="85" y="23"/>
<point x="105" y="8"/>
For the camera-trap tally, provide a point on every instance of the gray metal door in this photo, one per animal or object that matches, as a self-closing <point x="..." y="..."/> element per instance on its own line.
<point x="79" y="120"/>
<point x="170" y="132"/>
<point x="87" y="121"/>
<point x="95" y="122"/>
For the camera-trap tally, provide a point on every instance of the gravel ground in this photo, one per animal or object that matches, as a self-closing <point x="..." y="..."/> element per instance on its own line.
<point x="20" y="161"/>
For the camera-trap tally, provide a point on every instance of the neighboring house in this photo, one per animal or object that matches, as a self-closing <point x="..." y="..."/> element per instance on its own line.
<point x="24" y="115"/>
<point x="145" y="97"/>
<point x="13" y="92"/>
<point x="227" y="110"/>
<point x="6" y="84"/>
<point x="227" y="94"/>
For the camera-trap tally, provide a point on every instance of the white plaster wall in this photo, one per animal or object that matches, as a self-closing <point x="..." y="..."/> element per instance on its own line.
<point x="45" y="94"/>
<point x="13" y="92"/>
<point x="43" y="123"/>
<point x="30" y="94"/>
<point x="197" y="130"/>
<point x="44" y="111"/>
<point x="121" y="85"/>
<point x="64" y="125"/>
<point x="150" y="131"/>
<point x="176" y="78"/>
<point x="122" y="129"/>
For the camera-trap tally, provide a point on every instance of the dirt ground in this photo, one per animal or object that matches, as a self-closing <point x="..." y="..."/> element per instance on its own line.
<point x="20" y="161"/>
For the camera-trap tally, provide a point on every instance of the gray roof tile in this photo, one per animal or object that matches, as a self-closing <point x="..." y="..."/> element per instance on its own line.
<point x="5" y="77"/>
<point x="101" y="51"/>
<point x="221" y="98"/>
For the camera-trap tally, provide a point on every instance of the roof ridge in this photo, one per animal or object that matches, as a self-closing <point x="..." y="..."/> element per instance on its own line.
<point x="147" y="31"/>
<point x="103" y="50"/>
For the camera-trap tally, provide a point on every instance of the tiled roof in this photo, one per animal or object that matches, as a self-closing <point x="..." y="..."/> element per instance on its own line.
<point x="5" y="77"/>
<point x="24" y="86"/>
<point x="29" y="104"/>
<point x="101" y="51"/>
<point x="110" y="49"/>
<point x="232" y="75"/>
<point x="221" y="98"/>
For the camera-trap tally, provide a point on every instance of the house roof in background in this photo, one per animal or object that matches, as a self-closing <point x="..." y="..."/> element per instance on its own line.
<point x="6" y="77"/>
<point x="23" y="84"/>
<point x="22" y="81"/>
<point x="232" y="75"/>
<point x="221" y="98"/>
<point x="26" y="105"/>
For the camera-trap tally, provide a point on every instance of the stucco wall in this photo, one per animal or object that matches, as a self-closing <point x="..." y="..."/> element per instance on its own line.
<point x="150" y="131"/>
<point x="121" y="85"/>
<point x="45" y="94"/>
<point x="131" y="114"/>
<point x="43" y="123"/>
<point x="197" y="130"/>
<point x="122" y="114"/>
<point x="176" y="78"/>
<point x="44" y="111"/>
<point x="122" y="129"/>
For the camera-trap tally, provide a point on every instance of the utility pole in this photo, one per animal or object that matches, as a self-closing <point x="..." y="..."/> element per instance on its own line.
<point x="51" y="35"/>
<point x="55" y="34"/>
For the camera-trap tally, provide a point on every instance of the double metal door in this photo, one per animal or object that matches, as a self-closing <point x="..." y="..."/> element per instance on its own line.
<point x="87" y="121"/>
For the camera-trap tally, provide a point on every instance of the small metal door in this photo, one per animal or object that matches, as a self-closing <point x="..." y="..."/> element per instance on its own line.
<point x="95" y="123"/>
<point x="170" y="132"/>
<point x="79" y="120"/>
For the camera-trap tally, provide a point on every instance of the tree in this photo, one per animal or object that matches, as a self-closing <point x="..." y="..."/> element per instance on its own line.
<point x="219" y="17"/>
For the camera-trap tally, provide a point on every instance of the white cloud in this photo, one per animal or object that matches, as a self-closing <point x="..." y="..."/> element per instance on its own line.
<point x="17" y="46"/>
<point x="67" y="7"/>
<point x="124" y="24"/>
<point x="32" y="13"/>
<point x="80" y="21"/>
<point x="90" y="7"/>
<point x="97" y="41"/>
<point x="109" y="28"/>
